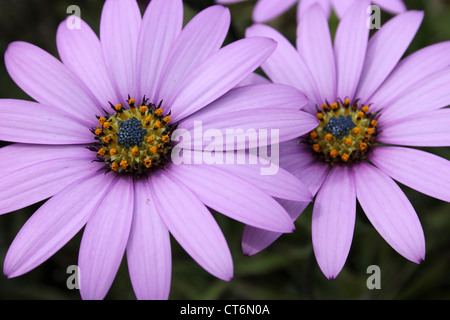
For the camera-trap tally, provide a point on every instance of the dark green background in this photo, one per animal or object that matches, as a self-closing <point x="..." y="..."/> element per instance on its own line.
<point x="287" y="269"/>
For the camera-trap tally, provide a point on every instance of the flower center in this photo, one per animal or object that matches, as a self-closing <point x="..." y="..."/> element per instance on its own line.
<point x="345" y="134"/>
<point x="134" y="140"/>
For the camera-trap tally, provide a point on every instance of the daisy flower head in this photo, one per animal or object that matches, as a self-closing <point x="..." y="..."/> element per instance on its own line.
<point x="266" y="10"/>
<point x="99" y="138"/>
<point x="371" y="106"/>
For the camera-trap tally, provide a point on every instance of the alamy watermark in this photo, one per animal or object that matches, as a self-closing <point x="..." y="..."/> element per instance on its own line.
<point x="374" y="280"/>
<point x="374" y="21"/>
<point x="227" y="147"/>
<point x="73" y="280"/>
<point x="73" y="22"/>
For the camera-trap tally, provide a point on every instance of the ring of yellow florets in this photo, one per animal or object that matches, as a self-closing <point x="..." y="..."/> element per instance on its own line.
<point x="345" y="134"/>
<point x="133" y="140"/>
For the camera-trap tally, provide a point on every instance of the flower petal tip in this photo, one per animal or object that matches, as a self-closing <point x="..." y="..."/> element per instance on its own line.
<point x="9" y="271"/>
<point x="249" y="251"/>
<point x="229" y="278"/>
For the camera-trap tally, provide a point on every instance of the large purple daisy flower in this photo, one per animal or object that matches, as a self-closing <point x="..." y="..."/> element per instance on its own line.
<point x="123" y="96"/>
<point x="370" y="105"/>
<point x="266" y="10"/>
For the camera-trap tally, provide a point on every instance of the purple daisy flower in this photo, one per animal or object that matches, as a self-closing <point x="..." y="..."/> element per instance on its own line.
<point x="123" y="96"/>
<point x="371" y="104"/>
<point x="266" y="10"/>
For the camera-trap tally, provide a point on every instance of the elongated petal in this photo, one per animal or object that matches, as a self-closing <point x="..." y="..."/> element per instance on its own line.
<point x="18" y="156"/>
<point x="253" y="78"/>
<point x="285" y="65"/>
<point x="220" y="73"/>
<point x="265" y="95"/>
<point x="41" y="180"/>
<point x="393" y="6"/>
<point x="274" y="180"/>
<point x="104" y="240"/>
<point x="202" y="37"/>
<point x="410" y="71"/>
<point x="192" y="225"/>
<point x="148" y="250"/>
<point x="312" y="175"/>
<point x="80" y="50"/>
<point x="385" y="50"/>
<point x="235" y="127"/>
<point x="333" y="221"/>
<point x="295" y="155"/>
<point x="255" y="240"/>
<point x="304" y="5"/>
<point x="389" y="211"/>
<point x="48" y="81"/>
<point x="429" y="129"/>
<point x="54" y="224"/>
<point x="229" y="1"/>
<point x="233" y="196"/>
<point x="422" y="171"/>
<point x="31" y="122"/>
<point x="270" y="96"/>
<point x="341" y="6"/>
<point x="314" y="44"/>
<point x="350" y="44"/>
<point x="119" y="30"/>
<point x="161" y="26"/>
<point x="429" y="94"/>
<point x="266" y="10"/>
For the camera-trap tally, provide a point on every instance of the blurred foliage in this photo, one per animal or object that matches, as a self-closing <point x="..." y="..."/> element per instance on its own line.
<point x="286" y="270"/>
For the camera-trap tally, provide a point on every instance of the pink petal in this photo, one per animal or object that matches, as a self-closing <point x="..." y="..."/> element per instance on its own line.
<point x="192" y="225"/>
<point x="410" y="71"/>
<point x="233" y="196"/>
<point x="229" y="1"/>
<point x="389" y="211"/>
<point x="341" y="6"/>
<point x="255" y="240"/>
<point x="148" y="250"/>
<point x="295" y="155"/>
<point x="119" y="29"/>
<point x="282" y="184"/>
<point x="40" y="180"/>
<point x="202" y="37"/>
<point x="251" y="97"/>
<point x="333" y="221"/>
<point x="12" y="159"/>
<point x="314" y="44"/>
<point x="350" y="45"/>
<point x="266" y="10"/>
<point x="81" y="52"/>
<point x="429" y="94"/>
<point x="161" y="25"/>
<point x="393" y="6"/>
<point x="252" y="79"/>
<point x="220" y="73"/>
<point x="55" y="223"/>
<point x="104" y="240"/>
<point x="385" y="50"/>
<point x="422" y="171"/>
<point x="31" y="122"/>
<point x="246" y="126"/>
<point x="426" y="129"/>
<point x="48" y="81"/>
<point x="285" y="65"/>
<point x="305" y="4"/>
